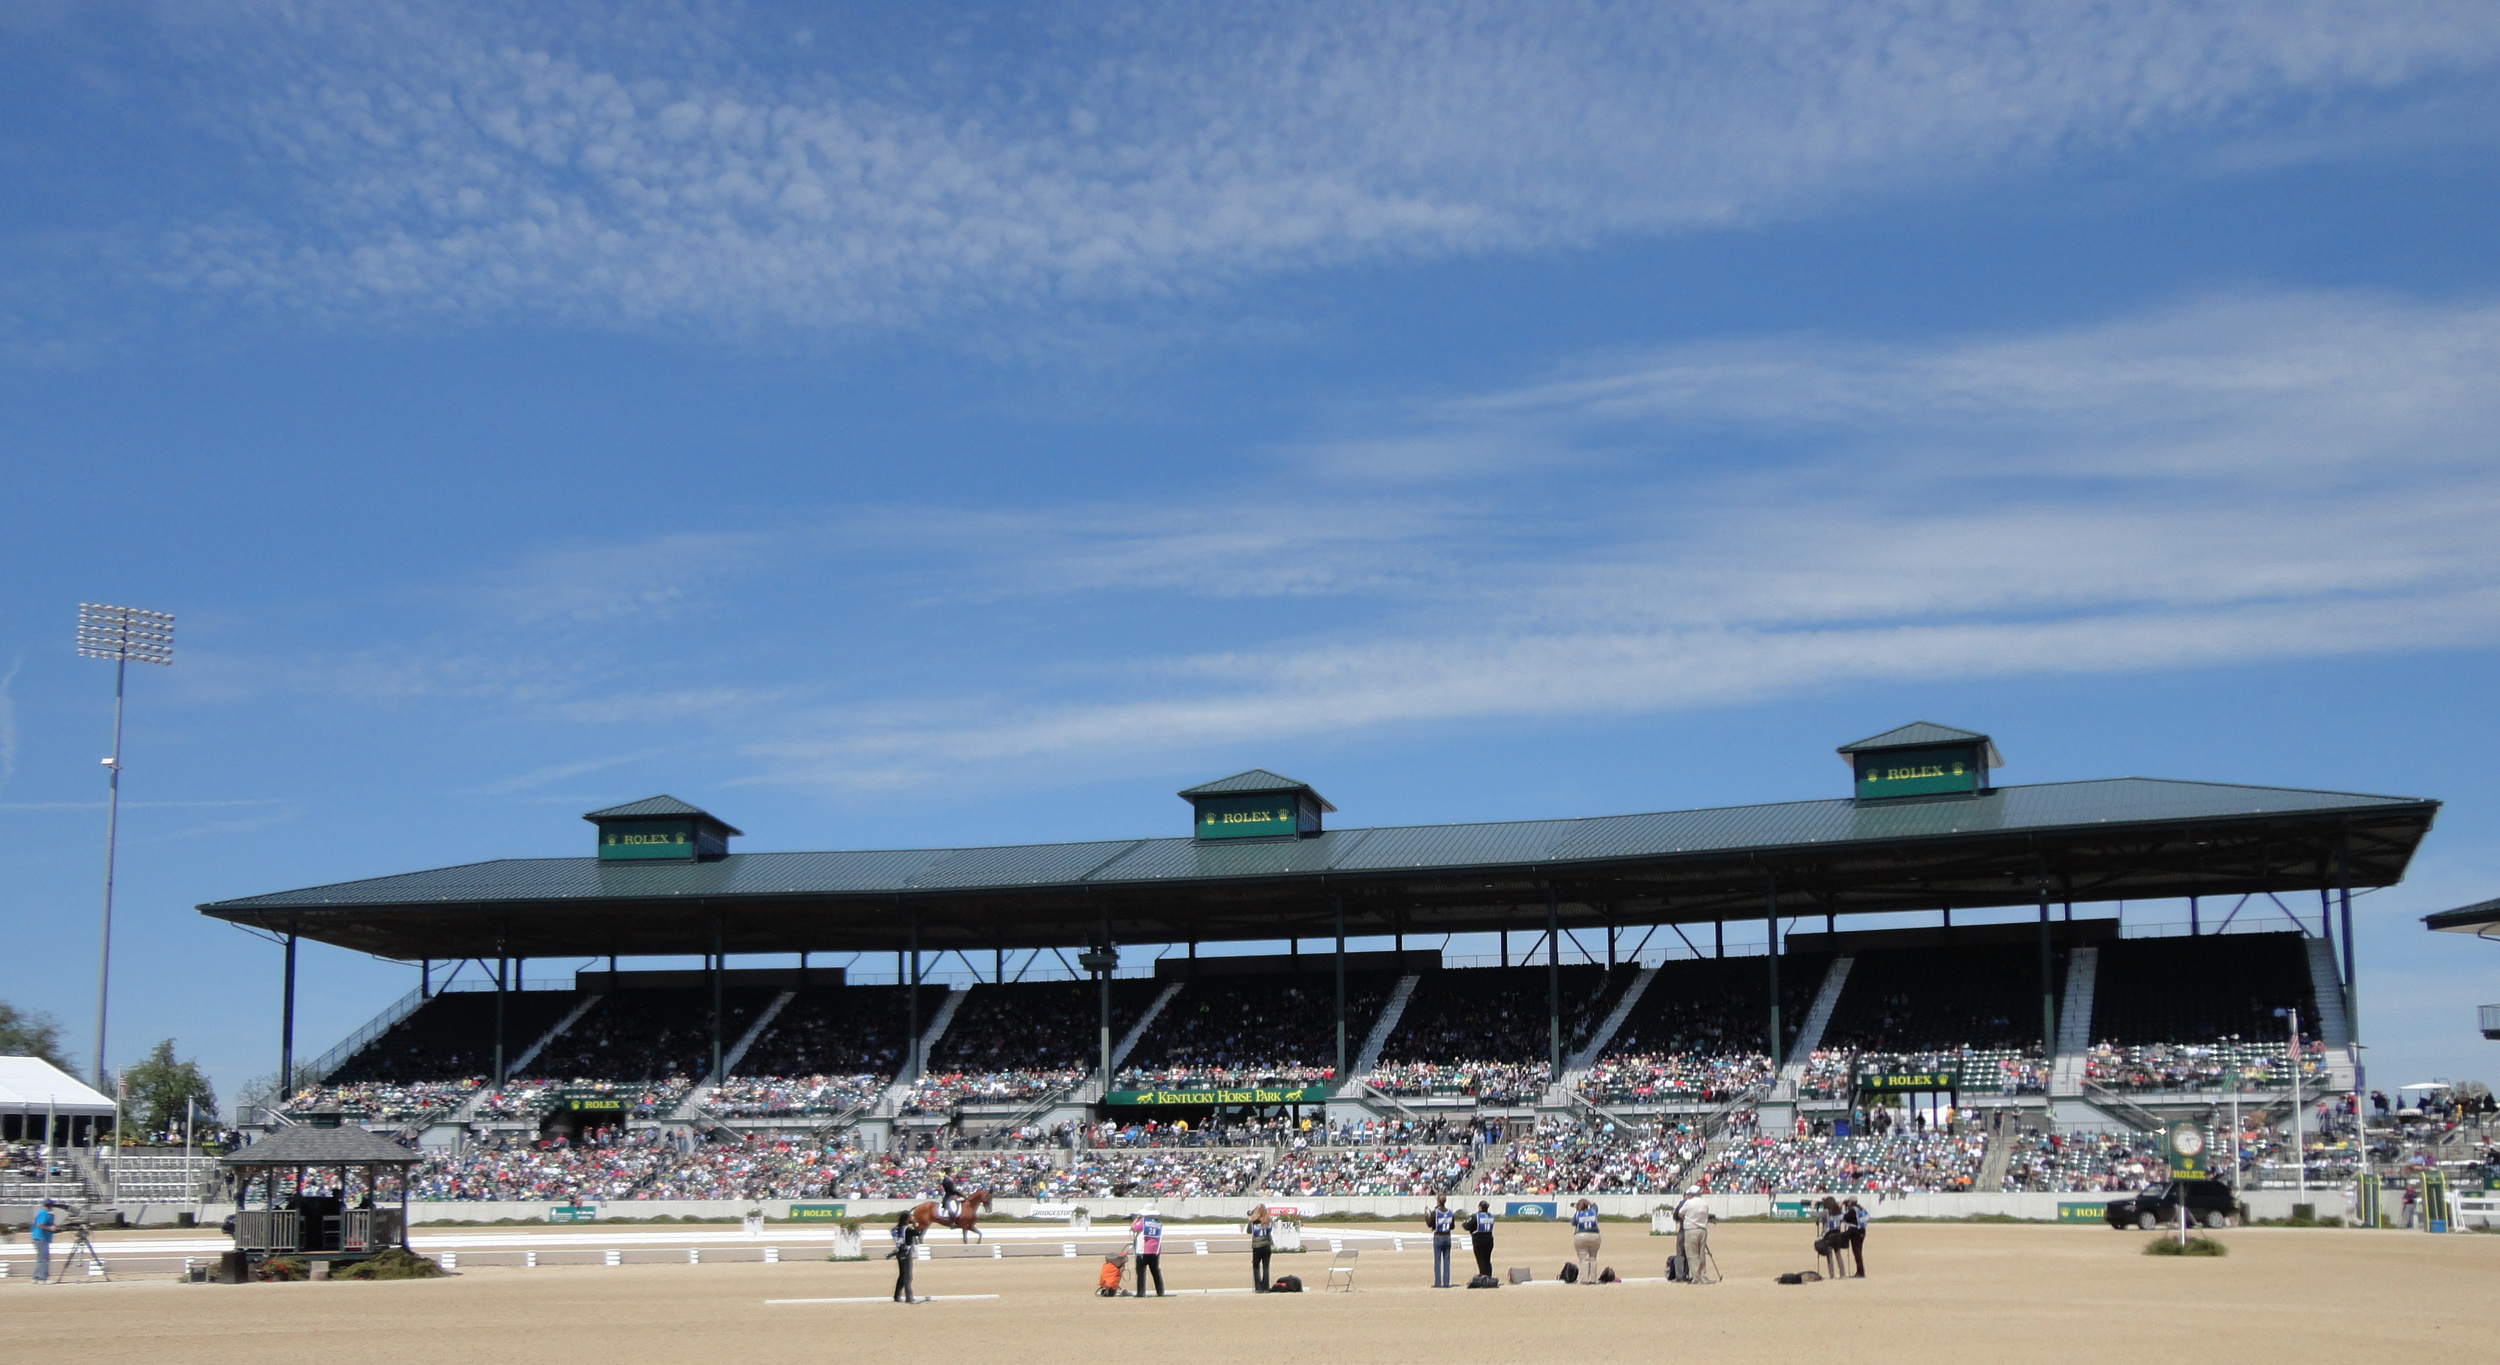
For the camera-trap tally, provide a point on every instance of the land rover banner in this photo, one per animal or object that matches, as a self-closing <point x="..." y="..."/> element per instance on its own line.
<point x="1300" y="1094"/>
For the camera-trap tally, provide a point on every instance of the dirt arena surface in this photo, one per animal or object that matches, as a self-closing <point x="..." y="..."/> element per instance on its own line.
<point x="1937" y="1293"/>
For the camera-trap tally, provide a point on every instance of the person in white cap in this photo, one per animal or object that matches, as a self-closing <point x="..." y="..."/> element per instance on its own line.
<point x="1692" y="1221"/>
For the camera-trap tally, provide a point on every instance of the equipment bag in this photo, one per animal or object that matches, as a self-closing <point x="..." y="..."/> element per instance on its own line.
<point x="1606" y="1276"/>
<point x="1569" y="1274"/>
<point x="1678" y="1270"/>
<point x="1519" y="1274"/>
<point x="1286" y="1284"/>
<point x="1484" y="1282"/>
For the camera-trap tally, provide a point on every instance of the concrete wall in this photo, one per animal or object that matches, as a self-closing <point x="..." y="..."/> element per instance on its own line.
<point x="2042" y="1206"/>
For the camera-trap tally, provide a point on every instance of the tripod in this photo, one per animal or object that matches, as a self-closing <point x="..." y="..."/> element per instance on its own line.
<point x="1704" y="1270"/>
<point x="79" y="1244"/>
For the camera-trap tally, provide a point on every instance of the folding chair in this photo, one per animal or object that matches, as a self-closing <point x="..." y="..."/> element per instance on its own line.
<point x="1342" y="1265"/>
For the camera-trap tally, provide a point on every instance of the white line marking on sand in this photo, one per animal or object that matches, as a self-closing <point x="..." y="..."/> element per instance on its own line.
<point x="886" y="1298"/>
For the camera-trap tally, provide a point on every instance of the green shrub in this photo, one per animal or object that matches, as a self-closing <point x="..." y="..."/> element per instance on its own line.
<point x="282" y="1268"/>
<point x="2194" y="1246"/>
<point x="394" y="1264"/>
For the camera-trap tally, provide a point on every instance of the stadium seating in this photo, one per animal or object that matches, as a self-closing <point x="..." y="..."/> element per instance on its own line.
<point x="2083" y="1162"/>
<point x="1567" y="1158"/>
<point x="1696" y="1034"/>
<point x="396" y="1102"/>
<point x="649" y="1034"/>
<point x="772" y="1097"/>
<point x="1239" y="1029"/>
<point x="839" y="1031"/>
<point x="2162" y="1067"/>
<point x="1486" y="1033"/>
<point x="1369" y="1170"/>
<point x="2200" y="990"/>
<point x="452" y="1037"/>
<point x="1912" y="1001"/>
<point x="1896" y="1164"/>
<point x="1162" y="1174"/>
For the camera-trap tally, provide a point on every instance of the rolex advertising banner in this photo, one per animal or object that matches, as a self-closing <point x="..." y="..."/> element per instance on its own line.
<point x="2186" y="1142"/>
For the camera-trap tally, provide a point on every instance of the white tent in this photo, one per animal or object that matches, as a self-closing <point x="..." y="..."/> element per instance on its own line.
<point x="30" y="1085"/>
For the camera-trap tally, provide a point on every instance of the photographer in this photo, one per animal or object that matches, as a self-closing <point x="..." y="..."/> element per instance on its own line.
<point x="1442" y="1221"/>
<point x="904" y="1235"/>
<point x="1584" y="1239"/>
<point x="1853" y="1219"/>
<point x="1480" y="1230"/>
<point x="46" y="1223"/>
<point x="1262" y="1245"/>
<point x="1692" y="1222"/>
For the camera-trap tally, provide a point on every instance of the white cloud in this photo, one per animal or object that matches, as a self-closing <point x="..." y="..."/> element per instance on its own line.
<point x="8" y="722"/>
<point x="2225" y="483"/>
<point x="687" y="165"/>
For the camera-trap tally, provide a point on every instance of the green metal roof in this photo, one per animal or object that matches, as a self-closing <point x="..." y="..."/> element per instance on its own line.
<point x="2123" y="837"/>
<point x="1256" y="782"/>
<point x="1915" y="733"/>
<point x="2477" y="918"/>
<point x="659" y="807"/>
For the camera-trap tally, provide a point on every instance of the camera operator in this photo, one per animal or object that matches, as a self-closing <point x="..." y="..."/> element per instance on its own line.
<point x="46" y="1223"/>
<point x="1853" y="1220"/>
<point x="1692" y="1222"/>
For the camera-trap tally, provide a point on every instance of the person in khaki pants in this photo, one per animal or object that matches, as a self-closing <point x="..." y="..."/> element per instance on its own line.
<point x="1584" y="1239"/>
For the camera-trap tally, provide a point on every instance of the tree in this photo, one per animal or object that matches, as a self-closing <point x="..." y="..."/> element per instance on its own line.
<point x="162" y="1088"/>
<point x="29" y="1033"/>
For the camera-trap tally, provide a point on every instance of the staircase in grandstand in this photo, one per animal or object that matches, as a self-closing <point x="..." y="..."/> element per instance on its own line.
<point x="1368" y="1056"/>
<point x="2074" y="1025"/>
<point x="1810" y="1032"/>
<point x="1992" y="1166"/>
<point x="698" y="1100"/>
<point x="2330" y="1027"/>
<point x="572" y="1017"/>
<point x="1091" y="1089"/>
<point x="1567" y="1087"/>
<point x="891" y="1103"/>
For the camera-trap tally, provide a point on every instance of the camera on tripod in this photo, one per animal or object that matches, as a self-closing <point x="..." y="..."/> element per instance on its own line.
<point x="68" y="1217"/>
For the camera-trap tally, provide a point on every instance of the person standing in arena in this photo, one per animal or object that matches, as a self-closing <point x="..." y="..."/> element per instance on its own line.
<point x="1692" y="1221"/>
<point x="1148" y="1229"/>
<point x="1480" y="1234"/>
<point x="1584" y="1239"/>
<point x="40" y="1233"/>
<point x="1442" y="1222"/>
<point x="1262" y="1246"/>
<point x="904" y="1235"/>
<point x="1853" y="1220"/>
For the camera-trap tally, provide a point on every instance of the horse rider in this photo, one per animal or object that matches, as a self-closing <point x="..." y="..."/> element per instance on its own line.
<point x="948" y="1194"/>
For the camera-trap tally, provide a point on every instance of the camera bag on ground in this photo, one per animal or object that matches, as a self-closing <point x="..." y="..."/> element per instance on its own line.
<point x="1801" y="1277"/>
<point x="1607" y="1276"/>
<point x="1679" y="1270"/>
<point x="1286" y="1284"/>
<point x="1519" y="1274"/>
<point x="1569" y="1274"/>
<point x="1484" y="1282"/>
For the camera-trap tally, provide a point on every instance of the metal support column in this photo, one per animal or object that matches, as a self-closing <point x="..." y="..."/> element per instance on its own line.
<point x="2194" y="928"/>
<point x="1718" y="938"/>
<point x="286" y="1025"/>
<point x="1105" y="992"/>
<point x="2352" y="977"/>
<point x="2048" y="977"/>
<point x="1553" y="982"/>
<point x="425" y="979"/>
<point x="717" y="962"/>
<point x="1339" y="903"/>
<point x="503" y="971"/>
<point x="1771" y="932"/>
<point x="911" y="988"/>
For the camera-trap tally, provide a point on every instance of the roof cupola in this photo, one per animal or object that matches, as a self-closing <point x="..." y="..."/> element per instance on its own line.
<point x="1257" y="804"/>
<point x="1921" y="758"/>
<point x="660" y="829"/>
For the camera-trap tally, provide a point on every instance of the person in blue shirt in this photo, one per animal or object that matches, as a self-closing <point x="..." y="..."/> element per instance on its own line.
<point x="1584" y="1239"/>
<point x="1442" y="1222"/>
<point x="1480" y="1230"/>
<point x="46" y="1221"/>
<point x="1262" y="1246"/>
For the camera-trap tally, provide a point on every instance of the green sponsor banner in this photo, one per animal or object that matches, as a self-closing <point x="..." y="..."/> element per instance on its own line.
<point x="590" y="1101"/>
<point x="636" y="840"/>
<point x="1299" y="1094"/>
<point x="573" y="1213"/>
<point x="2082" y="1213"/>
<point x="1879" y="1082"/>
<point x="817" y="1213"/>
<point x="1247" y="817"/>
<point x="1917" y="772"/>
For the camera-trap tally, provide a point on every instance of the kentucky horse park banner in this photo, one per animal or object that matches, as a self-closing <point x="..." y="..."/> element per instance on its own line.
<point x="1299" y="1094"/>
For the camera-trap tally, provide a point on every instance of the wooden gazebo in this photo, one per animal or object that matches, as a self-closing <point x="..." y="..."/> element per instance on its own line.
<point x="312" y="1217"/>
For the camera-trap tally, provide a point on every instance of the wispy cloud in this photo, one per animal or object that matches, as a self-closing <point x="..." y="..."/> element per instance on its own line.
<point x="468" y="161"/>
<point x="8" y="722"/>
<point x="2234" y="481"/>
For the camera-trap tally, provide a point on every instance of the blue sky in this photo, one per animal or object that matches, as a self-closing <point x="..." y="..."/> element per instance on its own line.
<point x="895" y="426"/>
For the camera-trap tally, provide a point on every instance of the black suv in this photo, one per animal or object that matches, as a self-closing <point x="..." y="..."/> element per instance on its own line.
<point x="2209" y="1202"/>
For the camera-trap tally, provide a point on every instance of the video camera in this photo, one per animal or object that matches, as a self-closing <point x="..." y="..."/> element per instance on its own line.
<point x="68" y="1217"/>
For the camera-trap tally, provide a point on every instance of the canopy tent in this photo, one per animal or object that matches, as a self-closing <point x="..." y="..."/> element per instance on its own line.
<point x="30" y="1085"/>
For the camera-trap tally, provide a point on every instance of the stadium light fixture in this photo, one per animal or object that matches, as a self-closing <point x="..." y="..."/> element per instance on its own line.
<point x="2300" y="1146"/>
<point x="123" y="635"/>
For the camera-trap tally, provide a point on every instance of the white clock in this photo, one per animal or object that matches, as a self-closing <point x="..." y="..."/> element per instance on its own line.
<point x="2187" y="1141"/>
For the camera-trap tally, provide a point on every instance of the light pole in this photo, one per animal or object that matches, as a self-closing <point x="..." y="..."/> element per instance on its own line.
<point x="120" y="634"/>
<point x="2300" y="1150"/>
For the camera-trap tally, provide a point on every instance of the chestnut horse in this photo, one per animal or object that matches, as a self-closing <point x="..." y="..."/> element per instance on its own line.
<point x="967" y="1219"/>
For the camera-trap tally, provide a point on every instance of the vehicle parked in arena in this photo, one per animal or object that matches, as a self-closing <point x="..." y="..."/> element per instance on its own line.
<point x="2210" y="1202"/>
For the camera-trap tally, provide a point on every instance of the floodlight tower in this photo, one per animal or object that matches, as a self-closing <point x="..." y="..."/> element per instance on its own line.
<point x="120" y="634"/>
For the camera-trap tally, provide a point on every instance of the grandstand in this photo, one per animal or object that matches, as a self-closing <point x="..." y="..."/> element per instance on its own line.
<point x="1959" y="1057"/>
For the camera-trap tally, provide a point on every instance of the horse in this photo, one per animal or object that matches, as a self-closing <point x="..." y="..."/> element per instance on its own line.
<point x="967" y="1219"/>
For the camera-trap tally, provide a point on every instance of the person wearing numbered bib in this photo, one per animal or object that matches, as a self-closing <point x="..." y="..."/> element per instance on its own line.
<point x="1442" y="1222"/>
<point x="1584" y="1239"/>
<point x="1480" y="1234"/>
<point x="1148" y="1229"/>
